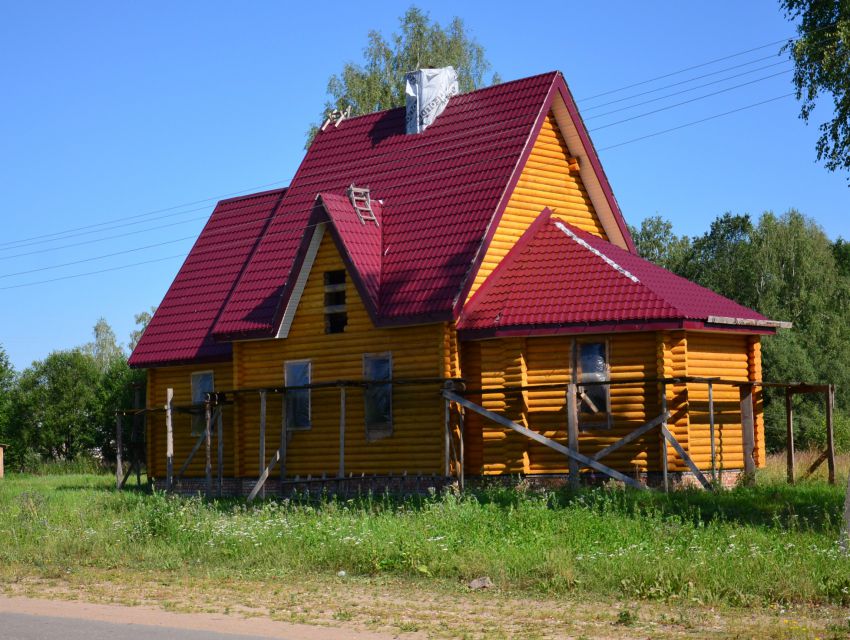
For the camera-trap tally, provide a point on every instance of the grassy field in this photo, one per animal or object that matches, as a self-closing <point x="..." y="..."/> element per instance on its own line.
<point x="768" y="548"/>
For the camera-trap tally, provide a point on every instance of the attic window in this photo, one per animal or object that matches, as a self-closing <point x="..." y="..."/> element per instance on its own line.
<point x="336" y="315"/>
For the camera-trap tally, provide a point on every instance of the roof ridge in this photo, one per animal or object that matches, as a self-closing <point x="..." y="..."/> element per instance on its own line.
<point x="249" y="196"/>
<point x="597" y="252"/>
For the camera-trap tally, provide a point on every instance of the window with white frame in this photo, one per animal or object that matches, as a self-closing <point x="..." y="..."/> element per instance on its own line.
<point x="591" y="365"/>
<point x="297" y="373"/>
<point x="203" y="382"/>
<point x="378" y="394"/>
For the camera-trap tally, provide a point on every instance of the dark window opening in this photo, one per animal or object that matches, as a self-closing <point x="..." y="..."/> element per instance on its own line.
<point x="297" y="374"/>
<point x="336" y="315"/>
<point x="378" y="395"/>
<point x="594" y="399"/>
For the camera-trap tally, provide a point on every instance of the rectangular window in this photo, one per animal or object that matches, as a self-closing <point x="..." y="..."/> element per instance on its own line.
<point x="297" y="373"/>
<point x="336" y="315"/>
<point x="203" y="382"/>
<point x="377" y="371"/>
<point x="594" y="399"/>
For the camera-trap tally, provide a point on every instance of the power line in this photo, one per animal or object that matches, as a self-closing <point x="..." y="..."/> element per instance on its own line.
<point x="684" y="102"/>
<point x="690" y="124"/>
<point x="691" y="68"/>
<point x="139" y="215"/>
<point x="676" y="84"/>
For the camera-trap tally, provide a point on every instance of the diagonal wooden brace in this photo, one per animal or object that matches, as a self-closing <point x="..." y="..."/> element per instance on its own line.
<point x="265" y="474"/>
<point x="684" y="454"/>
<point x="632" y="436"/>
<point x="505" y="422"/>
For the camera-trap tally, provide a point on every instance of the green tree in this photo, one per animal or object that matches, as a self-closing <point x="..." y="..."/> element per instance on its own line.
<point x="378" y="82"/>
<point x="105" y="348"/>
<point x="821" y="58"/>
<point x="142" y="321"/>
<point x="841" y="251"/>
<point x="656" y="242"/>
<point x="7" y="385"/>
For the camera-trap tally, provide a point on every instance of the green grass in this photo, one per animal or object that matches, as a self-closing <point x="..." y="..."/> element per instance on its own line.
<point x="767" y="545"/>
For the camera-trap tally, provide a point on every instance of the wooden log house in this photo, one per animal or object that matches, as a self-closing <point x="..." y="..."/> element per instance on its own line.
<point x="462" y="301"/>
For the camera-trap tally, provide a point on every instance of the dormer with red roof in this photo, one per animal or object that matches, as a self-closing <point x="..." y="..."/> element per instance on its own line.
<point x="487" y="247"/>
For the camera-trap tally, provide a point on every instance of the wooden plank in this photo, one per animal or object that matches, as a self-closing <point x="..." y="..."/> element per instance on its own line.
<point x="261" y="481"/>
<point x="711" y="433"/>
<point x="119" y="465"/>
<point x="748" y="430"/>
<point x="662" y="439"/>
<point x="462" y="461"/>
<point x="685" y="457"/>
<point x="572" y="432"/>
<point x="341" y="473"/>
<point x="283" y="441"/>
<point x="789" y="435"/>
<point x="583" y="459"/>
<point x="446" y="441"/>
<point x="817" y="463"/>
<point x="632" y="436"/>
<point x="208" y="445"/>
<point x="169" y="440"/>
<point x="138" y="427"/>
<point x="220" y="453"/>
<point x="191" y="455"/>
<point x="830" y="434"/>
<point x="263" y="436"/>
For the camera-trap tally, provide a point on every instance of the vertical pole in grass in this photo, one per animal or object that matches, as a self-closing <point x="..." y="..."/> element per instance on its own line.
<point x="572" y="432"/>
<point x="136" y="439"/>
<point x="169" y="440"/>
<point x="262" y="438"/>
<point x="220" y="443"/>
<point x="789" y="433"/>
<point x="748" y="431"/>
<point x="341" y="470"/>
<point x="208" y="444"/>
<point x="460" y="425"/>
<point x="283" y="442"/>
<point x="711" y="432"/>
<point x="446" y="442"/>
<point x="830" y="441"/>
<point x="663" y="443"/>
<point x="119" y="465"/>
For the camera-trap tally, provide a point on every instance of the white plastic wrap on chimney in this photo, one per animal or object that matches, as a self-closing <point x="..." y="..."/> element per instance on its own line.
<point x="428" y="92"/>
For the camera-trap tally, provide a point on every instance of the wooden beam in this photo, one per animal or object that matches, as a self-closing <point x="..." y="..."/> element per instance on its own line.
<point x="685" y="457"/>
<point x="135" y="439"/>
<point x="283" y="442"/>
<point x="711" y="432"/>
<point x="631" y="436"/>
<point x="583" y="459"/>
<point x="462" y="477"/>
<point x="830" y="434"/>
<point x="749" y="322"/>
<point x="169" y="440"/>
<point x="262" y="438"/>
<point x="817" y="463"/>
<point x="748" y="430"/>
<point x="119" y="465"/>
<point x="208" y="445"/>
<point x="572" y="432"/>
<point x="191" y="455"/>
<point x="341" y="473"/>
<point x="220" y="444"/>
<point x="261" y="481"/>
<point x="789" y="435"/>
<point x="446" y="442"/>
<point x="662" y="439"/>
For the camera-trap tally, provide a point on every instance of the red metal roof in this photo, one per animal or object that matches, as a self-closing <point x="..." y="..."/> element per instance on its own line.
<point x="360" y="244"/>
<point x="440" y="190"/>
<point x="560" y="277"/>
<point x="181" y="329"/>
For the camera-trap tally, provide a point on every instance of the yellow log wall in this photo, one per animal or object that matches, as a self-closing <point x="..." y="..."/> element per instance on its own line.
<point x="180" y="379"/>
<point x="422" y="351"/>
<point x="492" y="364"/>
<point x="546" y="181"/>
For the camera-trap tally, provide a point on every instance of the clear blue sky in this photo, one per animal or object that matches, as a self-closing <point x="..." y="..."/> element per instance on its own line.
<point x="115" y="109"/>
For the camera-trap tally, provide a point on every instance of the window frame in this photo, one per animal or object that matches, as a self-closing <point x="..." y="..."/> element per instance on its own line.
<point x="334" y="312"/>
<point x="199" y="421"/>
<point x="309" y="425"/>
<point x="378" y="430"/>
<point x="601" y="419"/>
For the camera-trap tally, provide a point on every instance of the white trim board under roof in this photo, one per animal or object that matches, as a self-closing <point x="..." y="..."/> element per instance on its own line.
<point x="301" y="281"/>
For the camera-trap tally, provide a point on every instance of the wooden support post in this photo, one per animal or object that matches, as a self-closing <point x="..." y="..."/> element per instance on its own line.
<point x="135" y="437"/>
<point x="789" y="434"/>
<point x="748" y="430"/>
<point x="572" y="432"/>
<point x="446" y="441"/>
<point x="119" y="465"/>
<point x="462" y="478"/>
<point x="208" y="444"/>
<point x="220" y="453"/>
<point x="262" y="438"/>
<point x="169" y="440"/>
<point x="830" y="440"/>
<point x="341" y="472"/>
<point x="283" y="442"/>
<point x="663" y="454"/>
<point x="711" y="433"/>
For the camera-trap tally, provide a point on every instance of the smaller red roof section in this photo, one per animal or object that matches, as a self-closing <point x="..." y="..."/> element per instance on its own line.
<point x="563" y="279"/>
<point x="360" y="240"/>
<point x="181" y="328"/>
